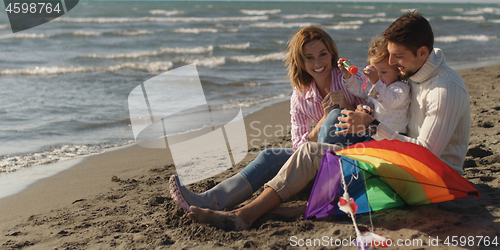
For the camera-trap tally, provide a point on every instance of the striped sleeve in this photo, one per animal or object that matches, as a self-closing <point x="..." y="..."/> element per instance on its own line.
<point x="301" y="124"/>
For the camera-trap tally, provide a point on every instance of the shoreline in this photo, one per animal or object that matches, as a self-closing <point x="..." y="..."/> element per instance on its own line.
<point x="81" y="207"/>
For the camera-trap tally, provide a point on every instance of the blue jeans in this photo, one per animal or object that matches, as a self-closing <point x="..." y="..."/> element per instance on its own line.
<point x="265" y="166"/>
<point x="327" y="132"/>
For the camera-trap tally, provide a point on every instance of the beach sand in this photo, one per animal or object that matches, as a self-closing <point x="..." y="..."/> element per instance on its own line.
<point x="84" y="207"/>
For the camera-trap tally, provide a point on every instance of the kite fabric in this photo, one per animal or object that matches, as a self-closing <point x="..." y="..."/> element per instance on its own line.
<point x="384" y="174"/>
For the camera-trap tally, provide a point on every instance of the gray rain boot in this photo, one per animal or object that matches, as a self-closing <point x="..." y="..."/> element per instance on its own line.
<point x="228" y="193"/>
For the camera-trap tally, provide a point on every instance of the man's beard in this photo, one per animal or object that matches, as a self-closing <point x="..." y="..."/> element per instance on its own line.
<point x="406" y="76"/>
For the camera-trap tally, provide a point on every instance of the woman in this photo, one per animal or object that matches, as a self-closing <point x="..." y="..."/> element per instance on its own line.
<point x="318" y="95"/>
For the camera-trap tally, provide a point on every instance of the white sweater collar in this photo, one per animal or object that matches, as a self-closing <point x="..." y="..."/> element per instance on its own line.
<point x="430" y="67"/>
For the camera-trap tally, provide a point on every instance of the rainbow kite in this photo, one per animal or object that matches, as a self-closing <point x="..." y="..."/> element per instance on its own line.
<point x="381" y="175"/>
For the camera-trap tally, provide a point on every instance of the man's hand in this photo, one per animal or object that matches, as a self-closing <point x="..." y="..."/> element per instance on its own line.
<point x="355" y="122"/>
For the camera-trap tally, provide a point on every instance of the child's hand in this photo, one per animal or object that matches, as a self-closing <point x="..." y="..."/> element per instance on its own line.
<point x="371" y="73"/>
<point x="344" y="71"/>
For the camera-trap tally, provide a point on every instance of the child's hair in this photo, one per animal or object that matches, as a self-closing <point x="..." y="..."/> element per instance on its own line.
<point x="294" y="61"/>
<point x="377" y="51"/>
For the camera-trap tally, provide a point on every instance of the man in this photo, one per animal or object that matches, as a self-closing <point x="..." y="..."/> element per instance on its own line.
<point x="439" y="110"/>
<point x="439" y="121"/>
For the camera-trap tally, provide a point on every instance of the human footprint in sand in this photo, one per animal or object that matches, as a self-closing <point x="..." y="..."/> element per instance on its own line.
<point x="439" y="121"/>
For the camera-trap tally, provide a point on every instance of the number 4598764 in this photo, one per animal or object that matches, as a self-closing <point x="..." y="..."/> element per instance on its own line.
<point x="32" y="8"/>
<point x="471" y="241"/>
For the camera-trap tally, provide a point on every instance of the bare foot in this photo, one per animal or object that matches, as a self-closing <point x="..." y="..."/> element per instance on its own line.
<point x="220" y="219"/>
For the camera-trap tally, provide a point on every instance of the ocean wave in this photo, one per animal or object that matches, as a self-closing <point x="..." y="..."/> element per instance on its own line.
<point x="156" y="19"/>
<point x="260" y="12"/>
<point x="210" y="62"/>
<point x="465" y="18"/>
<point x="481" y="11"/>
<point x="382" y="20"/>
<point x="280" y="42"/>
<point x="281" y="25"/>
<point x="257" y="59"/>
<point x="307" y="16"/>
<point x="161" y="51"/>
<point x="346" y="25"/>
<point x="196" y="30"/>
<point x="4" y="26"/>
<point x="166" y="12"/>
<point x="12" y="163"/>
<point x="25" y="36"/>
<point x="407" y="10"/>
<point x="477" y="38"/>
<point x="135" y="33"/>
<point x="86" y="33"/>
<point x="342" y="27"/>
<point x="380" y="14"/>
<point x="235" y="46"/>
<point x="248" y="102"/>
<point x="151" y="67"/>
<point x="494" y="21"/>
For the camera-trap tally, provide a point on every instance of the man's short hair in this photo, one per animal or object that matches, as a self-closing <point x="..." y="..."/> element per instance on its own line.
<point x="411" y="30"/>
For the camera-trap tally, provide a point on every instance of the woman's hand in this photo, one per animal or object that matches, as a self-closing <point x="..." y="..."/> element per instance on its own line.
<point x="328" y="105"/>
<point x="337" y="99"/>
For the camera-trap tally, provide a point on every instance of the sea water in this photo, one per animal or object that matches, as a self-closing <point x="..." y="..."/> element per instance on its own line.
<point x="64" y="84"/>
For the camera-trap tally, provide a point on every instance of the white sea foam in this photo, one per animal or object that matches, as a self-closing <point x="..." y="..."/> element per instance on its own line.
<point x="481" y="11"/>
<point x="343" y="27"/>
<point x="257" y="59"/>
<point x="382" y="20"/>
<point x="151" y="67"/>
<point x="465" y="18"/>
<point x="281" y="25"/>
<point x="157" y="19"/>
<point x="408" y="10"/>
<point x="260" y="12"/>
<point x="280" y="42"/>
<point x="365" y="7"/>
<point x="235" y="46"/>
<point x="210" y="62"/>
<point x="4" y="26"/>
<point x="135" y="33"/>
<point x="25" y="36"/>
<point x="494" y="21"/>
<point x="166" y="12"/>
<point x="380" y="14"/>
<point x="195" y="30"/>
<point x="86" y="33"/>
<point x="477" y="38"/>
<point x="162" y="50"/>
<point x="346" y="25"/>
<point x="308" y="16"/>
<point x="10" y="163"/>
<point x="248" y="102"/>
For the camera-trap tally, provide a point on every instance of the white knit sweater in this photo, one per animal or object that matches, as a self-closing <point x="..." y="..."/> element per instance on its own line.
<point x="439" y="112"/>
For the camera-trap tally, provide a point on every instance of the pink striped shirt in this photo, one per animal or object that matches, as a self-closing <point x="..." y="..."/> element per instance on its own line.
<point x="306" y="107"/>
